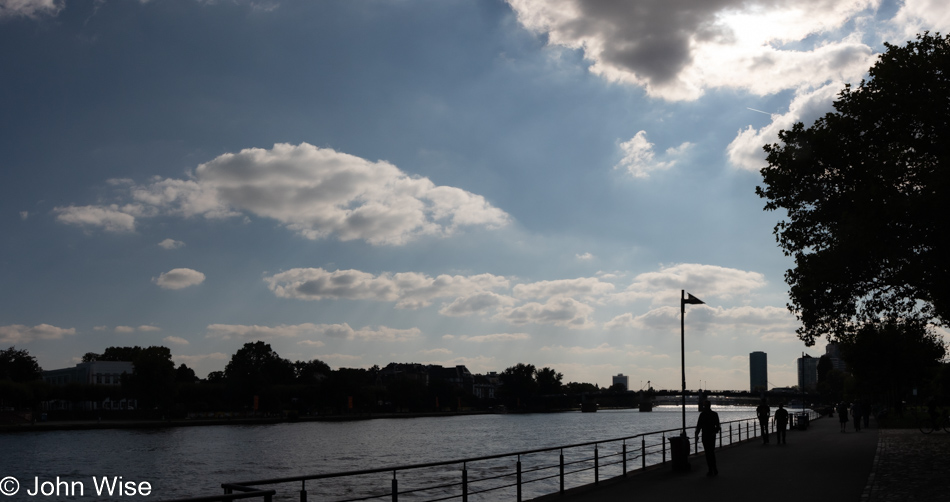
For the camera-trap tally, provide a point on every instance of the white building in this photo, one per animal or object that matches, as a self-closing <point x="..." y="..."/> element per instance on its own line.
<point x="96" y="372"/>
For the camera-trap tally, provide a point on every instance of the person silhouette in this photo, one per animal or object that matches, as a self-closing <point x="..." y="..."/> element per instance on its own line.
<point x="764" y="412"/>
<point x="781" y="420"/>
<point x="708" y="424"/>
<point x="842" y="412"/>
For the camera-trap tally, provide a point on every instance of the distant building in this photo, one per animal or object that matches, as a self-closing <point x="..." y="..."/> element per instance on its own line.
<point x="621" y="378"/>
<point x="95" y="372"/>
<point x="105" y="373"/>
<point x="834" y="354"/>
<point x="758" y="372"/>
<point x="808" y="372"/>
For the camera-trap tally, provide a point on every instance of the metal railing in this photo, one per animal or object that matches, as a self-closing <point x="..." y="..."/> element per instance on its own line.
<point x="587" y="462"/>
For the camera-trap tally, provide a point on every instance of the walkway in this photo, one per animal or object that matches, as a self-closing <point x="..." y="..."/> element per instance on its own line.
<point x="819" y="463"/>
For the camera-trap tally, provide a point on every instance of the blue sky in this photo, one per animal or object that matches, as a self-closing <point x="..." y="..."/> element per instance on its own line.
<point x="471" y="182"/>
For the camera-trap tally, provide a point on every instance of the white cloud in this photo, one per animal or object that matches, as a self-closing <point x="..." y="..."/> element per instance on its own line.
<point x="124" y="329"/>
<point x="745" y="151"/>
<point x="171" y="244"/>
<point x="584" y="256"/>
<point x="147" y="328"/>
<point x="440" y="352"/>
<point x="175" y="340"/>
<point x="316" y="192"/>
<point x="18" y="333"/>
<point x="640" y="160"/>
<point x="558" y="310"/>
<point x="917" y="16"/>
<point x="677" y="50"/>
<point x="621" y="321"/>
<point x="703" y="281"/>
<point x="764" y="323"/>
<point x="496" y="337"/>
<point x="603" y="348"/>
<point x="111" y="218"/>
<point x="311" y="343"/>
<point x="24" y="215"/>
<point x="29" y="8"/>
<point x="476" y="304"/>
<point x="179" y="278"/>
<point x="342" y="331"/>
<point x="407" y="289"/>
<point x="580" y="287"/>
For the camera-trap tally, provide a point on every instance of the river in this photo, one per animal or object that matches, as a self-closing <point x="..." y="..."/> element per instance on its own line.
<point x="192" y="461"/>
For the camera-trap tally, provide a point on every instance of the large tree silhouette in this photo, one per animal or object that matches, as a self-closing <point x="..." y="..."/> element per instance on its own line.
<point x="865" y="189"/>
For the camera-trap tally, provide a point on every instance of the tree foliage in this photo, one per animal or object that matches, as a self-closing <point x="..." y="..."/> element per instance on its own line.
<point x="18" y="366"/>
<point x="256" y="366"/>
<point x="890" y="357"/>
<point x="864" y="190"/>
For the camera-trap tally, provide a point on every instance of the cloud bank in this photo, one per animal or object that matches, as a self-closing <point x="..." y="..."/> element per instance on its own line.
<point x="315" y="192"/>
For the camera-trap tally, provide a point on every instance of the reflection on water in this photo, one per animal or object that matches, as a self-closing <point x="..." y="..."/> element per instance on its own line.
<point x="192" y="461"/>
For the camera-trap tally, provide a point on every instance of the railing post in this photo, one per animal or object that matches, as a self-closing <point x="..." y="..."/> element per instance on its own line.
<point x="643" y="452"/>
<point x="519" y="478"/>
<point x="562" y="472"/>
<point x="730" y="433"/>
<point x="303" y="490"/>
<point x="624" y="458"/>
<point x="720" y="437"/>
<point x="596" y="466"/>
<point x="663" y="439"/>
<point x="395" y="488"/>
<point x="268" y="498"/>
<point x="464" y="482"/>
<point x="747" y="436"/>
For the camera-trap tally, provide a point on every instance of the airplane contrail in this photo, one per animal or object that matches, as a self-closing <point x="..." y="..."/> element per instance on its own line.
<point x="760" y="111"/>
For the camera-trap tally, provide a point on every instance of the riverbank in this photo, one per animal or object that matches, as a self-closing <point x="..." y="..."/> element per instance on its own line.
<point x="66" y="425"/>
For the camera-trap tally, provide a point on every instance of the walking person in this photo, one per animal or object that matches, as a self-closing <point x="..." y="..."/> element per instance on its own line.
<point x="764" y="412"/>
<point x="708" y="424"/>
<point x="856" y="414"/>
<point x="842" y="412"/>
<point x="781" y="420"/>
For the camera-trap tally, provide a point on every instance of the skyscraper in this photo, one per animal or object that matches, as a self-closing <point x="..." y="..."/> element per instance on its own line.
<point x="758" y="372"/>
<point x="622" y="379"/>
<point x="808" y="372"/>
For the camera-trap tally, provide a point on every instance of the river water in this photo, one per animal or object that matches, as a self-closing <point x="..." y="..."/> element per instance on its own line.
<point x="194" y="461"/>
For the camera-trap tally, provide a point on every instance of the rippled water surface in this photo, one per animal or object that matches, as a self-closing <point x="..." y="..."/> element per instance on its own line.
<point x="193" y="461"/>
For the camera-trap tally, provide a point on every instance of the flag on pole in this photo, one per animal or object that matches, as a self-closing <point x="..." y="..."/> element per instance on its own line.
<point x="692" y="300"/>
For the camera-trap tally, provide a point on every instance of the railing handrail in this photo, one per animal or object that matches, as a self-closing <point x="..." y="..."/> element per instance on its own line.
<point x="309" y="477"/>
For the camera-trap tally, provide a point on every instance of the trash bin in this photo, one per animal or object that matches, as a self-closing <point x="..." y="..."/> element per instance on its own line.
<point x="679" y="452"/>
<point x="802" y="421"/>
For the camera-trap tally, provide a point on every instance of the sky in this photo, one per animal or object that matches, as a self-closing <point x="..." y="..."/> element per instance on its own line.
<point x="476" y="182"/>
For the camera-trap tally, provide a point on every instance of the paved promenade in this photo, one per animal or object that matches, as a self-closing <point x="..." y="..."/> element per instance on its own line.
<point x="820" y="463"/>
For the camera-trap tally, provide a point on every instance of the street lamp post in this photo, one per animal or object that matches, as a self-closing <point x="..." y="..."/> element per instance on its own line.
<point x="692" y="300"/>
<point x="679" y="446"/>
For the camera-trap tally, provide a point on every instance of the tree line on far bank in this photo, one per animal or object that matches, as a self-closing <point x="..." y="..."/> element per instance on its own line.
<point x="257" y="379"/>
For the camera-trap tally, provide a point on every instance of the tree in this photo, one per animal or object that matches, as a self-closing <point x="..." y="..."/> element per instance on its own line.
<point x="548" y="380"/>
<point x="184" y="374"/>
<point x="864" y="189"/>
<point x="890" y="357"/>
<point x="255" y="367"/>
<point x="517" y="383"/>
<point x="311" y="371"/>
<point x="153" y="375"/>
<point x="19" y="366"/>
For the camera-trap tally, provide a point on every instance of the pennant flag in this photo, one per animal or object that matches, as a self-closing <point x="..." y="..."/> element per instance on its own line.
<point x="692" y="300"/>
